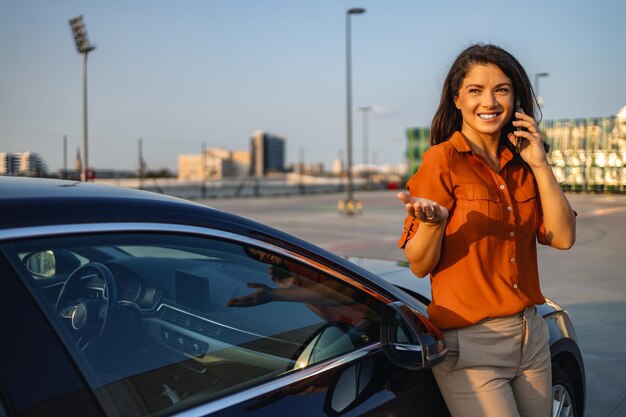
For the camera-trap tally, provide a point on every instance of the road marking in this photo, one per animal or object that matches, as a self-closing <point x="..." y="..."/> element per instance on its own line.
<point x="601" y="212"/>
<point x="359" y="245"/>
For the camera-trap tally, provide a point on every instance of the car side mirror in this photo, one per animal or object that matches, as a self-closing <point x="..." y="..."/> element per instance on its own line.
<point x="409" y="339"/>
<point x="49" y="263"/>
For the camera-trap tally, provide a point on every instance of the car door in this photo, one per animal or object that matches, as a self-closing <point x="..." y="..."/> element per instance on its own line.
<point x="37" y="376"/>
<point x="193" y="321"/>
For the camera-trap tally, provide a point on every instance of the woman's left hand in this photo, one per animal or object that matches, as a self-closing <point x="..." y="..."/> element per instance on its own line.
<point x="532" y="150"/>
<point x="262" y="294"/>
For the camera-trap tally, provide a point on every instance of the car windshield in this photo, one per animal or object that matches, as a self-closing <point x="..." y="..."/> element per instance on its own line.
<point x="162" y="322"/>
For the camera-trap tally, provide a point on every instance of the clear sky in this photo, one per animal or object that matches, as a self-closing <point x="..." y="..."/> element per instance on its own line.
<point x="181" y="73"/>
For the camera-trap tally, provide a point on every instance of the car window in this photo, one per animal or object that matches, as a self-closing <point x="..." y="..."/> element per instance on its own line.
<point x="163" y="322"/>
<point x="161" y="252"/>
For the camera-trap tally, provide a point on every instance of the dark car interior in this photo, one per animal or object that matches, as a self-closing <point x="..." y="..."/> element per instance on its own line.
<point x="151" y="317"/>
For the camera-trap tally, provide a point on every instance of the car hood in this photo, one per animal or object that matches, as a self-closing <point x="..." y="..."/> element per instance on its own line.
<point x="398" y="274"/>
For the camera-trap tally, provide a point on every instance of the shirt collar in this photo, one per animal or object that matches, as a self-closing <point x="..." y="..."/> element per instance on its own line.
<point x="459" y="142"/>
<point x="462" y="145"/>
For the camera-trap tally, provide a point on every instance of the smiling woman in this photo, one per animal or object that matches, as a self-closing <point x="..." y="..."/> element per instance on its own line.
<point x="476" y="210"/>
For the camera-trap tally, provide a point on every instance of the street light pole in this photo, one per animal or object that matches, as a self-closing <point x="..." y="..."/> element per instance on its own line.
<point x="349" y="206"/>
<point x="203" y="171"/>
<point x="365" y="110"/>
<point x="141" y="171"/>
<point x="537" y="77"/>
<point x="64" y="157"/>
<point x="83" y="47"/>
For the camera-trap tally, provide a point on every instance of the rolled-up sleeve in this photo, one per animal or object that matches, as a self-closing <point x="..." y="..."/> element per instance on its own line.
<point x="432" y="181"/>
<point x="541" y="233"/>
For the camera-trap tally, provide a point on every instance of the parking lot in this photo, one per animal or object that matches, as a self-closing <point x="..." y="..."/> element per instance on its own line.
<point x="589" y="280"/>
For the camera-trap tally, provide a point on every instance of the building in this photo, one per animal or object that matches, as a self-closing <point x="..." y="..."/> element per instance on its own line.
<point x="223" y="163"/>
<point x="78" y="162"/>
<point x="267" y="153"/>
<point x="241" y="163"/>
<point x="5" y="163"/>
<point x="190" y="167"/>
<point x="337" y="167"/>
<point x="218" y="163"/>
<point x="586" y="154"/>
<point x="418" y="140"/>
<point x="28" y="164"/>
<point x="308" y="168"/>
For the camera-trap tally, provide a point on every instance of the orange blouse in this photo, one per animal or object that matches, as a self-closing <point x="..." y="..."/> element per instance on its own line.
<point x="488" y="264"/>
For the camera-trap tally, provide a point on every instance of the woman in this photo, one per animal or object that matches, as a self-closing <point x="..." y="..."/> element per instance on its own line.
<point x="476" y="208"/>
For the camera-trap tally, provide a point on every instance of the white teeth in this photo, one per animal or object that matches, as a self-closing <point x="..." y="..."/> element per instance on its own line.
<point x="487" y="116"/>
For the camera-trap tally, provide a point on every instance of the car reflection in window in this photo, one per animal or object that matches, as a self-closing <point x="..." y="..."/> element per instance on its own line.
<point x="350" y="322"/>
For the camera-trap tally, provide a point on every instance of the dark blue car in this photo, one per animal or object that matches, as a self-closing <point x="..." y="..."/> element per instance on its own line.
<point x="120" y="302"/>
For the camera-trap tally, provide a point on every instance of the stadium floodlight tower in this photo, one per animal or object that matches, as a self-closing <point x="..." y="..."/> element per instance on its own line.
<point x="83" y="47"/>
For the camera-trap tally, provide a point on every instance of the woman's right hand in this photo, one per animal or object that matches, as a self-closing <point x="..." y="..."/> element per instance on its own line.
<point x="427" y="211"/>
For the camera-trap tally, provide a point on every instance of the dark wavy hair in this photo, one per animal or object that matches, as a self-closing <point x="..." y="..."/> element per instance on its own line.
<point x="448" y="118"/>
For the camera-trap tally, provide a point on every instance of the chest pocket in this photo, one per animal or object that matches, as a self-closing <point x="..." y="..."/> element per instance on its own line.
<point x="527" y="209"/>
<point x="478" y="212"/>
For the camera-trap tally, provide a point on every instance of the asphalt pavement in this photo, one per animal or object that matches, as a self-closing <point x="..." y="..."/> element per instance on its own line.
<point x="589" y="280"/>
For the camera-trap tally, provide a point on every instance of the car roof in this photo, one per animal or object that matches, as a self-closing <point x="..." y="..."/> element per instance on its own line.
<point x="33" y="202"/>
<point x="26" y="202"/>
<point x="28" y="188"/>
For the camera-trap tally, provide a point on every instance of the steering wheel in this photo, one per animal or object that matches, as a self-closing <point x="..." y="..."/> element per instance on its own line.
<point x="87" y="316"/>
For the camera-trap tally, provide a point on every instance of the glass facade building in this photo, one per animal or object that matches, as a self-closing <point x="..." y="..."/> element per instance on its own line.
<point x="588" y="154"/>
<point x="418" y="140"/>
<point x="267" y="154"/>
<point x="27" y="164"/>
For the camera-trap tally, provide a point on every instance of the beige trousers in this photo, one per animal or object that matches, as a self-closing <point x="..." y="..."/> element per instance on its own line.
<point x="498" y="368"/>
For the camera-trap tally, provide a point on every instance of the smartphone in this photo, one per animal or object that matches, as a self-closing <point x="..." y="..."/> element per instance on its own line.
<point x="518" y="140"/>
